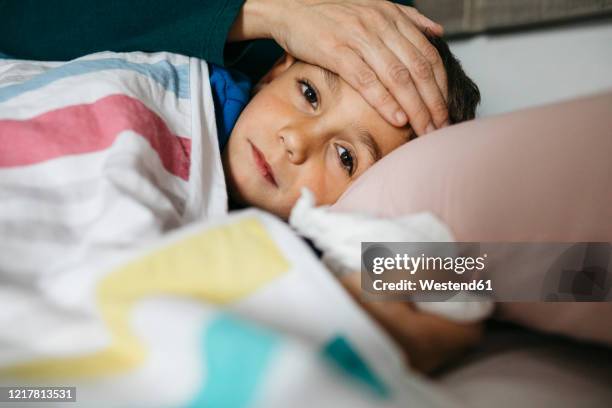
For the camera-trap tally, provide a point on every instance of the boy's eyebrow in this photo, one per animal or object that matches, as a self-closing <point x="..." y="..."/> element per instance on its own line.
<point x="366" y="138"/>
<point x="331" y="79"/>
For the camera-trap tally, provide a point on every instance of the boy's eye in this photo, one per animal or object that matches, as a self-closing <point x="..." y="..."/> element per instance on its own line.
<point x="309" y="93"/>
<point x="346" y="159"/>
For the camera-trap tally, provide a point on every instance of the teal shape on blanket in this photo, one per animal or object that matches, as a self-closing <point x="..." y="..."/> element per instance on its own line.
<point x="339" y="351"/>
<point x="236" y="355"/>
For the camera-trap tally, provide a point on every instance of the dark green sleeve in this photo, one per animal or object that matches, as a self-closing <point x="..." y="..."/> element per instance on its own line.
<point x="65" y="29"/>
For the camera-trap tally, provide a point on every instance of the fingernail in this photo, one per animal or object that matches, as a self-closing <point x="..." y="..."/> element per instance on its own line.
<point x="400" y="118"/>
<point x="430" y="128"/>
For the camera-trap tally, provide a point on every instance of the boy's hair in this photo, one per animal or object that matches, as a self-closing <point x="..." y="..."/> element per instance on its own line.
<point x="463" y="94"/>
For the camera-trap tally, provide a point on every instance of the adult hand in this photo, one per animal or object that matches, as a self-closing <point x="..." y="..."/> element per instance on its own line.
<point x="378" y="47"/>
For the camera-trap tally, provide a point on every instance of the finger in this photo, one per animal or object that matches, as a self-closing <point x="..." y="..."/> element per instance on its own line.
<point x="354" y="70"/>
<point x="397" y="77"/>
<point x="428" y="51"/>
<point x="430" y="81"/>
<point x="421" y="21"/>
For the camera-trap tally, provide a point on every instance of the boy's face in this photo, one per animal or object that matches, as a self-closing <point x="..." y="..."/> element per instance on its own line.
<point x="303" y="128"/>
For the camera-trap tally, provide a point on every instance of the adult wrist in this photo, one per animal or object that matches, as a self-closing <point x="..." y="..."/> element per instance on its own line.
<point x="256" y="19"/>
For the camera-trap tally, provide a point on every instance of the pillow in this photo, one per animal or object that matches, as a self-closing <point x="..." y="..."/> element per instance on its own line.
<point x="538" y="175"/>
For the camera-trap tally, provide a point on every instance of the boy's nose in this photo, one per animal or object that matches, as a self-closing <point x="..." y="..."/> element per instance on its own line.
<point x="297" y="143"/>
<point x="294" y="149"/>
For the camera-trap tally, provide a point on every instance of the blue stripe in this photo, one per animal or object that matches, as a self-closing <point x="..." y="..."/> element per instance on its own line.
<point x="172" y="78"/>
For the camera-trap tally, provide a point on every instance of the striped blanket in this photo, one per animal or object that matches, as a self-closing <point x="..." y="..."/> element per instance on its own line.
<point x="102" y="153"/>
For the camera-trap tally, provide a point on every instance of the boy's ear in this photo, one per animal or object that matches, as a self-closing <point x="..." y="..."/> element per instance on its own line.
<point x="280" y="66"/>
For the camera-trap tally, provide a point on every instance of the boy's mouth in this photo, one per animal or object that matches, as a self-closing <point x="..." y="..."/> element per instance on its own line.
<point x="262" y="165"/>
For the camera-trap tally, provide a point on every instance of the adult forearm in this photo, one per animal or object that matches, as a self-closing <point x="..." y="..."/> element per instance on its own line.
<point x="33" y="29"/>
<point x="254" y="20"/>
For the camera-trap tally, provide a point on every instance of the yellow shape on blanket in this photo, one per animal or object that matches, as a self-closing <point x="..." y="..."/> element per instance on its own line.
<point x="220" y="265"/>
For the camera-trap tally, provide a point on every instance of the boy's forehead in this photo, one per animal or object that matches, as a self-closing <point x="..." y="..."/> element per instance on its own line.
<point x="331" y="79"/>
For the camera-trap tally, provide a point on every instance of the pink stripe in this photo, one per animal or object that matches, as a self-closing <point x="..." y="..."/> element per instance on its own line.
<point x="88" y="128"/>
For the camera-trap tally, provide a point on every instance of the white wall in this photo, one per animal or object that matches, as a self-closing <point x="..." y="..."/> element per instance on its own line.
<point x="536" y="67"/>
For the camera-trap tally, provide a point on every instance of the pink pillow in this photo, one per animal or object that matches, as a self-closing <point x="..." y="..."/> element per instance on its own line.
<point x="542" y="174"/>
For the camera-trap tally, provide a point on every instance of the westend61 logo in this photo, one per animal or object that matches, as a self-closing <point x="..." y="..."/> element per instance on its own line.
<point x="439" y="271"/>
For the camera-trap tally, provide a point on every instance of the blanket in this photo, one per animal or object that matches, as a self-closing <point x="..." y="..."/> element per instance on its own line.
<point x="229" y="313"/>
<point x="122" y="275"/>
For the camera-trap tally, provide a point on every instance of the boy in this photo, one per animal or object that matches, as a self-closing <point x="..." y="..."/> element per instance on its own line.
<point x="305" y="127"/>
